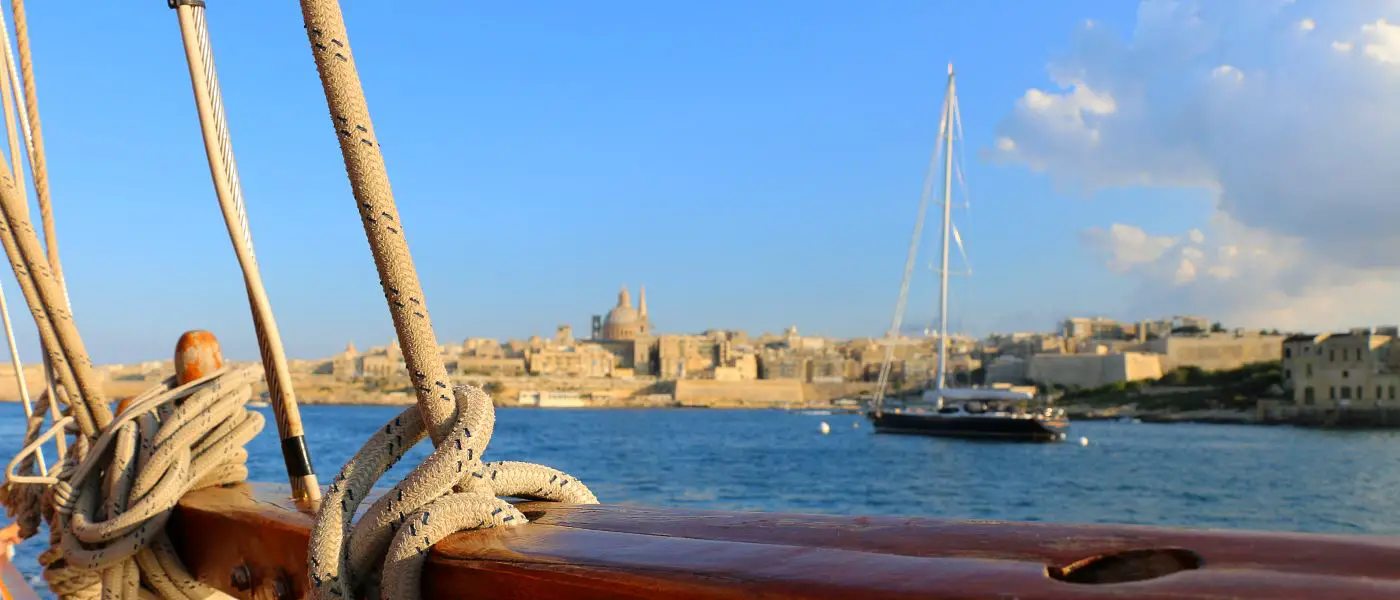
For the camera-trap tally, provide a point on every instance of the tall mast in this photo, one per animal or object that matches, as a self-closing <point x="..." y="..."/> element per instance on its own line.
<point x="951" y="107"/>
<point x="945" y="128"/>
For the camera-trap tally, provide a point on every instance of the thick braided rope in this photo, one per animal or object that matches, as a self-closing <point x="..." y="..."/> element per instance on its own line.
<point x="452" y="490"/>
<point x="15" y="208"/>
<point x="47" y="328"/>
<point x="9" y="89"/>
<point x="34" y="141"/>
<point x="37" y="166"/>
<point x="44" y="291"/>
<point x="369" y="180"/>
<point x="115" y="494"/>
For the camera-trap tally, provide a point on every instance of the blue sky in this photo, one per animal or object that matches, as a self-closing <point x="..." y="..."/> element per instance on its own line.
<point x="754" y="165"/>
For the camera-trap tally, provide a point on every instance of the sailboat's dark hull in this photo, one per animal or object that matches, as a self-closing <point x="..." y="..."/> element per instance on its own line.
<point x="999" y="428"/>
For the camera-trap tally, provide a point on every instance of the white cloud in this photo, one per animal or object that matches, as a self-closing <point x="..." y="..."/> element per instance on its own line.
<point x="1383" y="41"/>
<point x="1297" y="154"/>
<point x="1227" y="72"/>
<point x="1127" y="246"/>
<point x="1244" y="277"/>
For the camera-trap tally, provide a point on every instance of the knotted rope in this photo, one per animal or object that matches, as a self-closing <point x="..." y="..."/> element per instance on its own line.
<point x="452" y="490"/>
<point x="22" y="500"/>
<point x="112" y="497"/>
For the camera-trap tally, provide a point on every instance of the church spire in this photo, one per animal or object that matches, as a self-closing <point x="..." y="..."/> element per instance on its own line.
<point x="642" y="302"/>
<point x="623" y="298"/>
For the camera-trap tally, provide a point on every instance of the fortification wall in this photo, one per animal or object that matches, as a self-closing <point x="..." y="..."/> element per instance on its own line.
<point x="1010" y="371"/>
<point x="738" y="394"/>
<point x="1142" y="365"/>
<point x="1092" y="370"/>
<point x="1217" y="352"/>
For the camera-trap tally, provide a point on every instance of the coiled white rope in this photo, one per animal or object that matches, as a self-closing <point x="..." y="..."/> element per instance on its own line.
<point x="452" y="490"/>
<point x="112" y="498"/>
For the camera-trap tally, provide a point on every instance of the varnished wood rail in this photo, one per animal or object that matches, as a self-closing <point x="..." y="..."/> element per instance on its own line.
<point x="251" y="542"/>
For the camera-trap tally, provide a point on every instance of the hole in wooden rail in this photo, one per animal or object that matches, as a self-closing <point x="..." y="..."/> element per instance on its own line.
<point x="533" y="515"/>
<point x="1127" y="566"/>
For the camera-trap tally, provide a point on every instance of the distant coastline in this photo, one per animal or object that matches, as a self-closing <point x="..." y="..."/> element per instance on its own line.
<point x="1250" y="395"/>
<point x="541" y="392"/>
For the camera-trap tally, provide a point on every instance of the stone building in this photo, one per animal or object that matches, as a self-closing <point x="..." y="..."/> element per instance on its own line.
<point x="624" y="322"/>
<point x="826" y="369"/>
<point x="498" y="366"/>
<point x="583" y="360"/>
<point x="1101" y="328"/>
<point x="484" y="348"/>
<point x="1025" y="345"/>
<point x="773" y="365"/>
<point x="626" y="333"/>
<point x="1360" y="367"/>
<point x="384" y="362"/>
<point x="743" y="367"/>
<point x="1078" y="328"/>
<point x="346" y="365"/>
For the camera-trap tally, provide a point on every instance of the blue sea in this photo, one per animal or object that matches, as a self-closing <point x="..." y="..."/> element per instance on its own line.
<point x="1205" y="476"/>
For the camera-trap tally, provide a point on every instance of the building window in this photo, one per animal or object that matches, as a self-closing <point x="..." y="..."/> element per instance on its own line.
<point x="1332" y="392"/>
<point x="1309" y="371"/>
<point x="1288" y="353"/>
<point x="1391" y="392"/>
<point x="1287" y="374"/>
<point x="1332" y="356"/>
<point x="1345" y="374"/>
<point x="1358" y="392"/>
<point x="1308" y="395"/>
<point x="1378" y="393"/>
<point x="1346" y="393"/>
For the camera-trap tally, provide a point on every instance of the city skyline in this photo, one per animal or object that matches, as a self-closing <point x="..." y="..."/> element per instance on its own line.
<point x="760" y="179"/>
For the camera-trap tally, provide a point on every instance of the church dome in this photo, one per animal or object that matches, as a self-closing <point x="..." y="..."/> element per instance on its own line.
<point x="622" y="315"/>
<point x="625" y="322"/>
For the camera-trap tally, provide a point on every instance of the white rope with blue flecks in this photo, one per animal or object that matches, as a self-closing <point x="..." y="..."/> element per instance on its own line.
<point x="452" y="490"/>
<point x="108" y="503"/>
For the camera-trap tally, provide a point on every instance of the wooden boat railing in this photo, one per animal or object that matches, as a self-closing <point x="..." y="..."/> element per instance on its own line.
<point x="591" y="552"/>
<point x="251" y="541"/>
